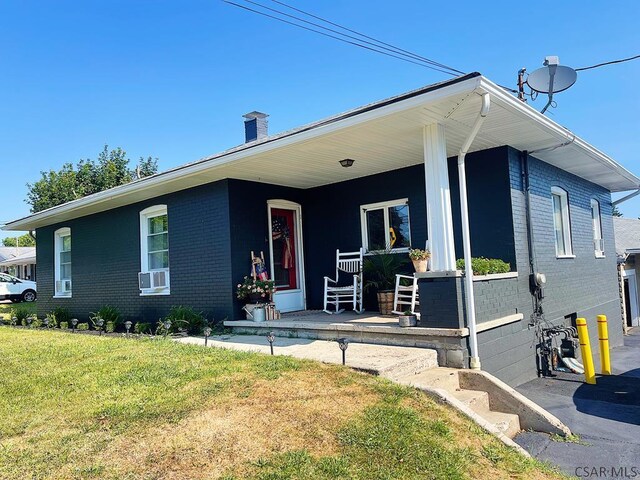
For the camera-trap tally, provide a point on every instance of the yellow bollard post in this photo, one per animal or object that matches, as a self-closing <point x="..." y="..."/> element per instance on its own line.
<point x="603" y="336"/>
<point x="585" y="348"/>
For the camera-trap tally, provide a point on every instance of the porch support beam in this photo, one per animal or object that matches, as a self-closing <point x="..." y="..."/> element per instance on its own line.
<point x="439" y="218"/>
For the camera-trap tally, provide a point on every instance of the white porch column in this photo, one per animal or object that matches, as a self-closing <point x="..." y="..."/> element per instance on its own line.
<point x="439" y="219"/>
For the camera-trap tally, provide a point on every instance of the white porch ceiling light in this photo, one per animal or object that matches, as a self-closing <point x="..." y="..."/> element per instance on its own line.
<point x="347" y="162"/>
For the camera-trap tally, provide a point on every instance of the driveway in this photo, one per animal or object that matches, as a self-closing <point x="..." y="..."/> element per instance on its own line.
<point x="606" y="417"/>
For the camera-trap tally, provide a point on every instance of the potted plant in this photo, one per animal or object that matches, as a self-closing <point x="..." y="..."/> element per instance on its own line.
<point x="255" y="290"/>
<point x="407" y="319"/>
<point x="420" y="259"/>
<point x="380" y="270"/>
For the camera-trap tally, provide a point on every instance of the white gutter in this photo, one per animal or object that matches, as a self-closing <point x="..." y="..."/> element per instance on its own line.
<point x="625" y="198"/>
<point x="474" y="362"/>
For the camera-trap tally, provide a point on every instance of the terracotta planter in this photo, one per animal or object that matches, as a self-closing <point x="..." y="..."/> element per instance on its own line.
<point x="385" y="302"/>
<point x="421" y="265"/>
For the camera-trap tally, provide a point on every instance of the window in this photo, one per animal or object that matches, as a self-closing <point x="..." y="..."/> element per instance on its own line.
<point x="561" y="223"/>
<point x="153" y="278"/>
<point x="386" y="225"/>
<point x="62" y="260"/>
<point x="598" y="243"/>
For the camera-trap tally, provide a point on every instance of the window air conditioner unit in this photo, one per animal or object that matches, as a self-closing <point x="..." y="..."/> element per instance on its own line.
<point x="63" y="286"/>
<point x="157" y="279"/>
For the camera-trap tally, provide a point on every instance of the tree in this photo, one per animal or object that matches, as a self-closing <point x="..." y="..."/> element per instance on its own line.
<point x="86" y="177"/>
<point x="615" y="212"/>
<point x="25" y="240"/>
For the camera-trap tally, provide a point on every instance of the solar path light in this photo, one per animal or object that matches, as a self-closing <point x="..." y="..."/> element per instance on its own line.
<point x="343" y="343"/>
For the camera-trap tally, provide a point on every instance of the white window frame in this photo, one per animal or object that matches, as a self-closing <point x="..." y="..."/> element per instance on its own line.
<point x="58" y="237"/>
<point x="145" y="215"/>
<point x="596" y="219"/>
<point x="384" y="206"/>
<point x="566" y="222"/>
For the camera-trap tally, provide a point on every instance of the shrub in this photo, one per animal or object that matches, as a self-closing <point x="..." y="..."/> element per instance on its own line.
<point x="60" y="314"/>
<point x="21" y="313"/>
<point x="111" y="327"/>
<point x="108" y="314"/>
<point x="52" y="320"/>
<point x="485" y="266"/>
<point x="83" y="326"/>
<point x="184" y="319"/>
<point x="142" y="328"/>
<point x="37" y="323"/>
<point x="64" y="325"/>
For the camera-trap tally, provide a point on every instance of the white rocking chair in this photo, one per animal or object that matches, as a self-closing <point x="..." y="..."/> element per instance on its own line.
<point x="334" y="295"/>
<point x="406" y="295"/>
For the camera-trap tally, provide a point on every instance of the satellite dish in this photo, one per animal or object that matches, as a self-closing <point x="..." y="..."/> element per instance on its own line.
<point x="552" y="79"/>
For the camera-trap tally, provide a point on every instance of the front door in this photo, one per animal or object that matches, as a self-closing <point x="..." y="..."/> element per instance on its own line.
<point x="285" y="248"/>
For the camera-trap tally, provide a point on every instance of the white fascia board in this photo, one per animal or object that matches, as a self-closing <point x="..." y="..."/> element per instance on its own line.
<point x="563" y="134"/>
<point x="268" y="145"/>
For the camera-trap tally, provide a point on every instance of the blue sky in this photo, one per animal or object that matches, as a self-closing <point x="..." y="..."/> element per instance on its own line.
<point x="172" y="79"/>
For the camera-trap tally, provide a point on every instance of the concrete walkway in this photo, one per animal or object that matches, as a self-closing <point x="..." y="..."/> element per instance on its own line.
<point x="381" y="360"/>
<point x="606" y="417"/>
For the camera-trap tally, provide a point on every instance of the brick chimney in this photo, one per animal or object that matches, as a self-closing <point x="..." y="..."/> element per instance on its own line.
<point x="255" y="126"/>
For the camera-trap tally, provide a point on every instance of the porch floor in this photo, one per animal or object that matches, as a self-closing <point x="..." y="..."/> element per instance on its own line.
<point x="347" y="321"/>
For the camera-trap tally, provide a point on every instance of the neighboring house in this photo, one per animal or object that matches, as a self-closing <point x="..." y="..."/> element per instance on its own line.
<point x="627" y="232"/>
<point x="192" y="228"/>
<point x="19" y="262"/>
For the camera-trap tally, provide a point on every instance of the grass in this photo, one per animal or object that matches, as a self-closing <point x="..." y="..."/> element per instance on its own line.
<point x="7" y="308"/>
<point x="79" y="406"/>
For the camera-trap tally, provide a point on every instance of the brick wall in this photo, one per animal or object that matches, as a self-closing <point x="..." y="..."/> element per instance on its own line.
<point x="106" y="258"/>
<point x="584" y="285"/>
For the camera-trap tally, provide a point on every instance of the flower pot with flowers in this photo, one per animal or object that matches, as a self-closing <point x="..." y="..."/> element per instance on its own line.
<point x="420" y="259"/>
<point x="256" y="290"/>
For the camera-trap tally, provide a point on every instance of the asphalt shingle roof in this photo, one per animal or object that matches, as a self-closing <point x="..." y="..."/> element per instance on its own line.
<point x="627" y="232"/>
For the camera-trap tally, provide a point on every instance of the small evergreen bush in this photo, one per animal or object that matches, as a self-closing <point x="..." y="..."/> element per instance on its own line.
<point x="64" y="325"/>
<point x="83" y="326"/>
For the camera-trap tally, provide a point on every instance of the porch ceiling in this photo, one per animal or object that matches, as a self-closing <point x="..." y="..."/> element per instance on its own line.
<point x="380" y="137"/>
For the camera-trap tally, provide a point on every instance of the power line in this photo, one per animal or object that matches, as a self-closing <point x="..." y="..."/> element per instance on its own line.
<point x="607" y="63"/>
<point x="396" y="52"/>
<point x="403" y="57"/>
<point x="407" y="52"/>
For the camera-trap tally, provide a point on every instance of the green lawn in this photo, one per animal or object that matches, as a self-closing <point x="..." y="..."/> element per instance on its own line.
<point x="80" y="406"/>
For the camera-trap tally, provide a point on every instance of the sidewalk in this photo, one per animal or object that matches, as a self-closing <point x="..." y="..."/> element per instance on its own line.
<point x="381" y="360"/>
<point x="606" y="417"/>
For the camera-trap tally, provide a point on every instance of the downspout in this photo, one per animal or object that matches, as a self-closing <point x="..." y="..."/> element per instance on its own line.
<point x="474" y="361"/>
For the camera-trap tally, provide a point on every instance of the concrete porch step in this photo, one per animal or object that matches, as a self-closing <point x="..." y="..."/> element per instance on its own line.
<point x="477" y="400"/>
<point x="507" y="423"/>
<point x="444" y="378"/>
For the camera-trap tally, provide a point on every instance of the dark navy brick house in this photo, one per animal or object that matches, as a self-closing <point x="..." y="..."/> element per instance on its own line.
<point x="538" y="197"/>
